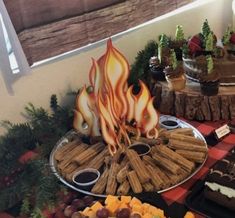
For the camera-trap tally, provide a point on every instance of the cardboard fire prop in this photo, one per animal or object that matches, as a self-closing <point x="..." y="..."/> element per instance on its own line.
<point x="111" y="109"/>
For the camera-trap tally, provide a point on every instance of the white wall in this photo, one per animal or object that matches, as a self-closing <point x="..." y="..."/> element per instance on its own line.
<point x="71" y="72"/>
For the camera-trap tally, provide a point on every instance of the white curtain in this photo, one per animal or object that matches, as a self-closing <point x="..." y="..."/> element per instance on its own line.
<point x="13" y="62"/>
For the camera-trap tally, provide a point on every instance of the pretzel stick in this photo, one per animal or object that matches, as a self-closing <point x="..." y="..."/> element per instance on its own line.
<point x="155" y="178"/>
<point x="181" y="145"/>
<point x="89" y="153"/>
<point x="124" y="162"/>
<point x="174" y="179"/>
<point x="166" y="163"/>
<point x="59" y="154"/>
<point x="134" y="182"/>
<point x="146" y="141"/>
<point x="188" y="139"/>
<point x="149" y="161"/>
<point x="100" y="185"/>
<point x="163" y="176"/>
<point x="122" y="174"/>
<point x="138" y="165"/>
<point x="124" y="188"/>
<point x="148" y="187"/>
<point x="112" y="183"/>
<point x="98" y="161"/>
<point x="195" y="156"/>
<point x="67" y="159"/>
<point x="175" y="157"/>
<point x="182" y="131"/>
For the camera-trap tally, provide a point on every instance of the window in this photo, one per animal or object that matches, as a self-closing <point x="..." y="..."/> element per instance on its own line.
<point x="13" y="62"/>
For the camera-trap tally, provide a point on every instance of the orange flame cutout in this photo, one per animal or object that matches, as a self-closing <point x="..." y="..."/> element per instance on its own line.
<point x="114" y="103"/>
<point x="116" y="73"/>
<point x="85" y="119"/>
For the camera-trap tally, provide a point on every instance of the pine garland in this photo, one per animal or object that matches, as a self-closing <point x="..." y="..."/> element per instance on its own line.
<point x="33" y="183"/>
<point x="140" y="67"/>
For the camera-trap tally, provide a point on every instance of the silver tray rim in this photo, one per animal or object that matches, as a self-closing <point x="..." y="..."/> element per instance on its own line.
<point x="182" y="124"/>
<point x="197" y="81"/>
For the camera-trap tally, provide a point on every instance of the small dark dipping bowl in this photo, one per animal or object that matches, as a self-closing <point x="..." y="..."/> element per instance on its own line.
<point x="169" y="123"/>
<point x="86" y="178"/>
<point x="140" y="148"/>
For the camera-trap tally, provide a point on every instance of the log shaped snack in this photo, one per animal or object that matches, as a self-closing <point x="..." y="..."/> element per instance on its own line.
<point x="165" y="166"/>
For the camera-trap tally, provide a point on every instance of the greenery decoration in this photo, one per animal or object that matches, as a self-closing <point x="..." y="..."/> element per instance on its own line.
<point x="163" y="43"/>
<point x="31" y="182"/>
<point x="140" y="67"/>
<point x="179" y="34"/>
<point x="210" y="64"/>
<point x="209" y="42"/>
<point x="226" y="36"/>
<point x="205" y="28"/>
<point x="173" y="59"/>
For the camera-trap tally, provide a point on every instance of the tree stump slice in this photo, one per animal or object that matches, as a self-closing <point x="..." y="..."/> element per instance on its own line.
<point x="191" y="104"/>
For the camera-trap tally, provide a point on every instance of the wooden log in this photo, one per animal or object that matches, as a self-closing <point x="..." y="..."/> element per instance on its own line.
<point x="214" y="102"/>
<point x="180" y="104"/>
<point x="205" y="107"/>
<point x="191" y="104"/>
<point x="167" y="101"/>
<point x="157" y="92"/>
<point x="232" y="106"/>
<point x="224" y="102"/>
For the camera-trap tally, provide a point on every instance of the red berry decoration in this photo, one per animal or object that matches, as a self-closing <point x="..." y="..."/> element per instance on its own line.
<point x="194" y="44"/>
<point x="102" y="213"/>
<point x="232" y="38"/>
<point x="196" y="40"/>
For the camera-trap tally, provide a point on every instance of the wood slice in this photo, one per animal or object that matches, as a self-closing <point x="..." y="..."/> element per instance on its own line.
<point x="224" y="107"/>
<point x="180" y="104"/>
<point x="191" y="104"/>
<point x="167" y="100"/>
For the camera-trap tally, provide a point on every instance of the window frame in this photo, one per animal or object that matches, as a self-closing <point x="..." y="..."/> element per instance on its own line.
<point x="9" y="76"/>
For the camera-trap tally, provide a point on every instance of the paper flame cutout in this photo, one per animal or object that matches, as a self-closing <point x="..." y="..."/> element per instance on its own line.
<point x="112" y="107"/>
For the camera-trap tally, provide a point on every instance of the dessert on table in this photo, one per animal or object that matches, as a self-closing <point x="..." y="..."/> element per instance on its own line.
<point x="174" y="73"/>
<point x="210" y="80"/>
<point x="206" y="43"/>
<point x="220" y="182"/>
<point x="178" y="42"/>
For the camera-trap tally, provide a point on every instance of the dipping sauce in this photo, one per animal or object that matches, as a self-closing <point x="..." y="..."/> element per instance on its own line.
<point x="170" y="123"/>
<point x="85" y="177"/>
<point x="140" y="148"/>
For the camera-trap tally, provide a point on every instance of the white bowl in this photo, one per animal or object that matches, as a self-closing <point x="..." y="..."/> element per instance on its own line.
<point x="165" y="118"/>
<point x="86" y="184"/>
<point x="140" y="144"/>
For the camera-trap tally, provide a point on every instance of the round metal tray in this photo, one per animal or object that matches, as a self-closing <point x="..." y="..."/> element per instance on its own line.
<point x="197" y="81"/>
<point x="68" y="136"/>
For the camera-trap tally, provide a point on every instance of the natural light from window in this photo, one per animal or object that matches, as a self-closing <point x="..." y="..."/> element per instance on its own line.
<point x="11" y="55"/>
